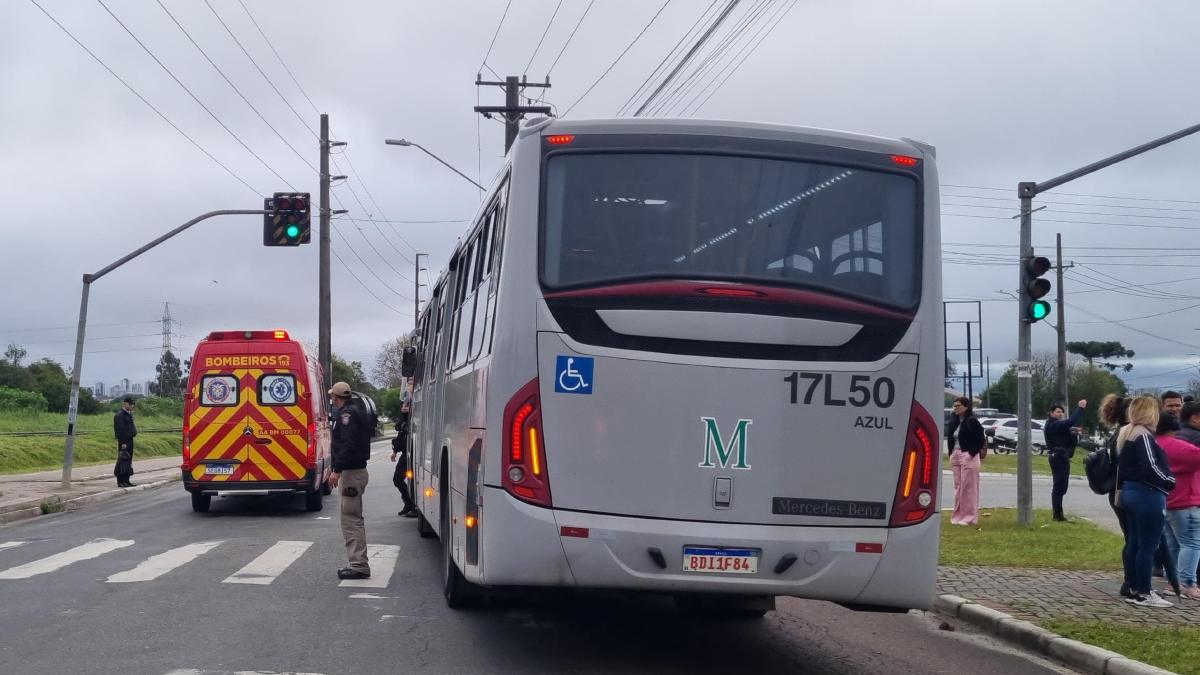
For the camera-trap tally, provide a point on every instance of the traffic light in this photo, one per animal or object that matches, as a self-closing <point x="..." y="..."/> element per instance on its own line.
<point x="1034" y="287"/>
<point x="287" y="222"/>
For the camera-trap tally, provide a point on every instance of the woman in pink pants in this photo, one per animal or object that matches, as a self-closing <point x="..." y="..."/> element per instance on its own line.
<point x="967" y="446"/>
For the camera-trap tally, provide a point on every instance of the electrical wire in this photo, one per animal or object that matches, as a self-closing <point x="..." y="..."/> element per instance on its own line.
<point x="688" y="56"/>
<point x="538" y="48"/>
<point x="277" y="56"/>
<point x="494" y="36"/>
<point x="571" y="37"/>
<point x="618" y="59"/>
<point x="644" y="86"/>
<point x="1076" y="194"/>
<point x="143" y="99"/>
<point x="360" y="282"/>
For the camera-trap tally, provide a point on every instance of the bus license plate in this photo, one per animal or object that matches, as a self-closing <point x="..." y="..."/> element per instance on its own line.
<point x="218" y="469"/>
<point x="720" y="560"/>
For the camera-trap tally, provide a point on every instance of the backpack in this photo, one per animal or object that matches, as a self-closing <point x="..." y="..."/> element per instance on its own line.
<point x="1101" y="471"/>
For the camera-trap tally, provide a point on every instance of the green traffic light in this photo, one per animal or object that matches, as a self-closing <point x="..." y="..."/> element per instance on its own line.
<point x="293" y="231"/>
<point x="1039" y="310"/>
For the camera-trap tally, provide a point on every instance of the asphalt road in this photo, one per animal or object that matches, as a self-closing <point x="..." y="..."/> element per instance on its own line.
<point x="163" y="590"/>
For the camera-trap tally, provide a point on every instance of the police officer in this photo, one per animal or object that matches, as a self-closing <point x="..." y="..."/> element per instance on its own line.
<point x="351" y="450"/>
<point x="1060" y="443"/>
<point x="124" y="429"/>
<point x="400" y="449"/>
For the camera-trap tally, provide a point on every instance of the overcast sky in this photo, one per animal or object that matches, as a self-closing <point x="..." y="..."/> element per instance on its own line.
<point x="1007" y="91"/>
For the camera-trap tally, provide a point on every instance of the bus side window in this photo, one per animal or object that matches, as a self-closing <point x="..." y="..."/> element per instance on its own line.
<point x="483" y="295"/>
<point x="496" y="259"/>
<point x="465" y="312"/>
<point x="435" y="325"/>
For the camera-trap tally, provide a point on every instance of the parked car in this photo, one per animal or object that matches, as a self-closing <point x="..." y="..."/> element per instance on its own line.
<point x="1005" y="435"/>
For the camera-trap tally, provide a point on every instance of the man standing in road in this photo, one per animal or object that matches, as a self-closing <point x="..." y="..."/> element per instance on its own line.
<point x="125" y="430"/>
<point x="351" y="450"/>
<point x="1060" y="443"/>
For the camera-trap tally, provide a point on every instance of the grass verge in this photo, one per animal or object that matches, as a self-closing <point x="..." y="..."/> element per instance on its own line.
<point x="1000" y="542"/>
<point x="997" y="463"/>
<point x="96" y="445"/>
<point x="1176" y="648"/>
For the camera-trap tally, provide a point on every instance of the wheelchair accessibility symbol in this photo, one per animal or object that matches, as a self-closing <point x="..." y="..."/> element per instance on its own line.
<point x="573" y="375"/>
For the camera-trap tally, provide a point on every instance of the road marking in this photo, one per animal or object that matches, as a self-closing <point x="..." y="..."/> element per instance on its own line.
<point x="93" y="549"/>
<point x="10" y="544"/>
<point x="156" y="566"/>
<point x="193" y="671"/>
<point x="382" y="558"/>
<point x="266" y="567"/>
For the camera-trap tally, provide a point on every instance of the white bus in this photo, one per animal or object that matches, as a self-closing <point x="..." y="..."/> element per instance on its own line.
<point x="689" y="357"/>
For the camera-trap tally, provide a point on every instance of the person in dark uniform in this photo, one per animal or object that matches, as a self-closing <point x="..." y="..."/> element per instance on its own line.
<point x="351" y="450"/>
<point x="1061" y="439"/>
<point x="124" y="429"/>
<point x="400" y="449"/>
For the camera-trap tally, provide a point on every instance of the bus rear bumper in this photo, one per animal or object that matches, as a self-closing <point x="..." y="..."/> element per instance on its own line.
<point x="864" y="566"/>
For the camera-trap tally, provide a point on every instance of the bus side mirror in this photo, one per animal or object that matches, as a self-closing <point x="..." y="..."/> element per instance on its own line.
<point x="408" y="362"/>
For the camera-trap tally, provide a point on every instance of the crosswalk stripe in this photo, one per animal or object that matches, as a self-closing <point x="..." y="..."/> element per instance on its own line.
<point x="93" y="549"/>
<point x="10" y="544"/>
<point x="158" y="565"/>
<point x="382" y="558"/>
<point x="266" y="567"/>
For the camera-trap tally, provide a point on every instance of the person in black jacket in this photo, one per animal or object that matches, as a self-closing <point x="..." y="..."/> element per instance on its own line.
<point x="967" y="446"/>
<point x="351" y="449"/>
<point x="1144" y="480"/>
<point x="1061" y="439"/>
<point x="1189" y="423"/>
<point x="124" y="429"/>
<point x="400" y="449"/>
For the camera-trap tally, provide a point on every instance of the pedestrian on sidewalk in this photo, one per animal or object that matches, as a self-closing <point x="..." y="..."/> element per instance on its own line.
<point x="967" y="447"/>
<point x="1183" y="506"/>
<point x="1144" y="480"/>
<point x="1062" y="435"/>
<point x="400" y="449"/>
<point x="1113" y="415"/>
<point x="124" y="429"/>
<point x="351" y="448"/>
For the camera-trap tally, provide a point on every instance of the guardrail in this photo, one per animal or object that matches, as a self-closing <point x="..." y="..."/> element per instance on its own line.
<point x="84" y="433"/>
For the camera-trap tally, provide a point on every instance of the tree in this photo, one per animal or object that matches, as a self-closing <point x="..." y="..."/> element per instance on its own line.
<point x="1092" y="351"/>
<point x="16" y="377"/>
<point x="951" y="371"/>
<point x="88" y="405"/>
<point x="387" y="362"/>
<point x="1003" y="392"/>
<point x="14" y="354"/>
<point x="352" y="374"/>
<point x="170" y="375"/>
<point x="1085" y="382"/>
<point x="50" y="380"/>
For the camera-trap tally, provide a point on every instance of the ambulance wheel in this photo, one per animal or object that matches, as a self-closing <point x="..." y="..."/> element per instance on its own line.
<point x="313" y="500"/>
<point x="200" y="503"/>
<point x="424" y="528"/>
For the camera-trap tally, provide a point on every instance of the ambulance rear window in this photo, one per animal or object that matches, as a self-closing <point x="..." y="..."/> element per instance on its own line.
<point x="277" y="389"/>
<point x="218" y="390"/>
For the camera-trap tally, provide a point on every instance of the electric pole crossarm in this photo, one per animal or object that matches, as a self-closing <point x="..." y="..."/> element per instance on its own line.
<point x="227" y="212"/>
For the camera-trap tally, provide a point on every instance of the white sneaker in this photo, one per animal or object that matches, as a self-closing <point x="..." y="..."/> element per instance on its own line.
<point x="1149" y="600"/>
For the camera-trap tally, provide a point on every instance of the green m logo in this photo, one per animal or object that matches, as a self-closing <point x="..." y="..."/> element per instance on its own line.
<point x="737" y="442"/>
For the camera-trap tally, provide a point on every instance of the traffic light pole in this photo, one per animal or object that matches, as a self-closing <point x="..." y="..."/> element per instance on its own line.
<point x="324" y="350"/>
<point x="1026" y="191"/>
<point x="88" y="279"/>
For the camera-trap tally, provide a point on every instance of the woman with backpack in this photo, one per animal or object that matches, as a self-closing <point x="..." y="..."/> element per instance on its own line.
<point x="1144" y="480"/>
<point x="967" y="447"/>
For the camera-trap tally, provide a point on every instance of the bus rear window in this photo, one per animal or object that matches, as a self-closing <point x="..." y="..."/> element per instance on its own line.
<point x="613" y="217"/>
<point x="218" y="390"/>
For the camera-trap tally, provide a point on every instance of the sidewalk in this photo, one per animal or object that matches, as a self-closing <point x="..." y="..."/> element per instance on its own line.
<point x="21" y="494"/>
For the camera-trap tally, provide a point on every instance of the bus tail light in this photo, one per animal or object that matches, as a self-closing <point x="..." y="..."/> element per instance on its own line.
<point x="187" y="448"/>
<point x="523" y="469"/>
<point x="916" y="489"/>
<point x="312" y="445"/>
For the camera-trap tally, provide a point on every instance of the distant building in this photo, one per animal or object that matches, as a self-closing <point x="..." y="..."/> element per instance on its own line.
<point x="114" y="391"/>
<point x="148" y="388"/>
<point x="137" y="388"/>
<point x="125" y="385"/>
<point x="98" y="389"/>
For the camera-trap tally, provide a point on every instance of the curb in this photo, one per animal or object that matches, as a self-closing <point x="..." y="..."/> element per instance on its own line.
<point x="23" y="513"/>
<point x="1074" y="653"/>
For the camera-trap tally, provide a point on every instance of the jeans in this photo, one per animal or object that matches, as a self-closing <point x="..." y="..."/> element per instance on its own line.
<point x="1143" y="507"/>
<point x="1185" y="528"/>
<point x="1060" y="468"/>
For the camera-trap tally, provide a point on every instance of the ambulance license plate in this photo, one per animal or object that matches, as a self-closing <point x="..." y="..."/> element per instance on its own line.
<point x="218" y="469"/>
<point x="720" y="560"/>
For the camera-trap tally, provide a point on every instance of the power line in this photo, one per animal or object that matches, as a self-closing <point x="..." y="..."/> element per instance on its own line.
<point x="277" y="56"/>
<point x="543" y="38"/>
<point x="381" y="220"/>
<point x="368" y="267"/>
<point x="618" y="59"/>
<point x="688" y="56"/>
<point x="75" y="326"/>
<point x="1085" y="213"/>
<point x="360" y="281"/>
<point x="1078" y="222"/>
<point x="1048" y="201"/>
<point x="147" y="102"/>
<point x="494" y="36"/>
<point x="1076" y="194"/>
<point x="662" y="64"/>
<point x="1131" y="328"/>
<point x="194" y="97"/>
<point x="569" y="38"/>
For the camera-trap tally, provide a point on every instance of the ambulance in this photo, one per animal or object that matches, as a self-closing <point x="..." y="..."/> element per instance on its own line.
<point x="256" y="419"/>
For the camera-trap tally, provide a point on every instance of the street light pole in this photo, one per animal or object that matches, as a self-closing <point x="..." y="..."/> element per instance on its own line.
<point x="407" y="143"/>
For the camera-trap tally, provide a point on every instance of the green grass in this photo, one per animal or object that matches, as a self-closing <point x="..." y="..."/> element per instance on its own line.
<point x="96" y="445"/>
<point x="996" y="463"/>
<point x="1000" y="542"/>
<point x="1175" y="648"/>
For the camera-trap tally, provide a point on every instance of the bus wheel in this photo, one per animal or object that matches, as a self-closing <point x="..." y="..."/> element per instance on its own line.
<point x="424" y="528"/>
<point x="459" y="592"/>
<point x="724" y="606"/>
<point x="200" y="502"/>
<point x="313" y="500"/>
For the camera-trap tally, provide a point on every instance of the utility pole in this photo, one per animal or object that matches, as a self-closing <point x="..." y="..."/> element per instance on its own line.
<point x="417" y="288"/>
<point x="324" y="349"/>
<point x="1062" y="323"/>
<point x="1026" y="191"/>
<point x="512" y="110"/>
